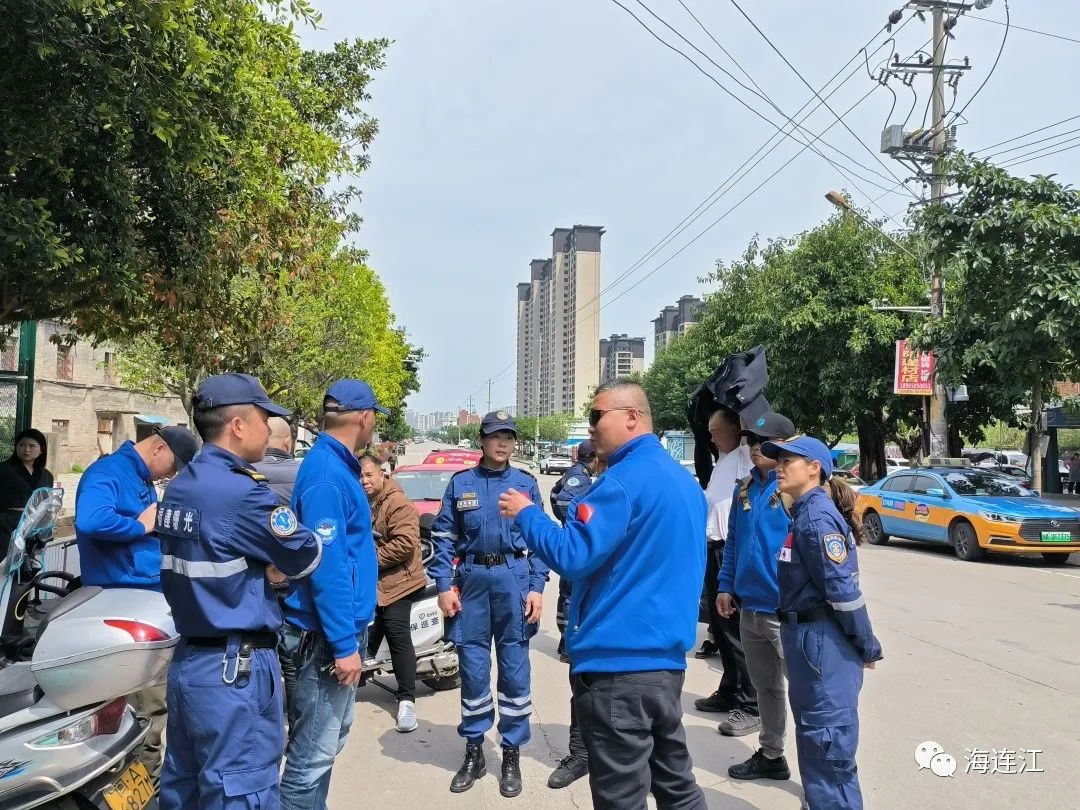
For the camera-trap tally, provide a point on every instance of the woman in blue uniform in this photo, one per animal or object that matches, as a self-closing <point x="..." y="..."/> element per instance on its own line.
<point x="824" y="626"/>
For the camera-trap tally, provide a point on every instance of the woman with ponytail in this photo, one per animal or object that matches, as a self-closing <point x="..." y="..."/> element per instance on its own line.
<point x="824" y="626"/>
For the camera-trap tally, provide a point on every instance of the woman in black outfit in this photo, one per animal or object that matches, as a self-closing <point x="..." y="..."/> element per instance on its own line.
<point x="20" y="475"/>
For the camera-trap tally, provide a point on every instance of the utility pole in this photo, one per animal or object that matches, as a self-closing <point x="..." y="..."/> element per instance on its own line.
<point x="924" y="147"/>
<point x="939" y="428"/>
<point x="489" y="396"/>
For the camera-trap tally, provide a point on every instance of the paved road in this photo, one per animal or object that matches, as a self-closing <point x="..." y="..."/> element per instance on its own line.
<point x="978" y="656"/>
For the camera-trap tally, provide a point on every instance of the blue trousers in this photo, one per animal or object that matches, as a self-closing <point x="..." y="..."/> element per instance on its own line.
<point x="224" y="740"/>
<point x="493" y="609"/>
<point x="320" y="717"/>
<point x="825" y="675"/>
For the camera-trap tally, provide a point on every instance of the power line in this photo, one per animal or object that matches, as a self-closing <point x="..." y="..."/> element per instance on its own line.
<point x="1041" y="153"/>
<point x="1029" y="144"/>
<point x="1026" y="134"/>
<point x="735" y="177"/>
<point x="719" y="219"/>
<point x="741" y="101"/>
<point x="794" y="69"/>
<point x="1029" y="30"/>
<point x="993" y="67"/>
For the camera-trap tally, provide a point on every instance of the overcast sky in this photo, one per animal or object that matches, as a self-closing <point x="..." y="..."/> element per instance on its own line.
<point x="503" y="119"/>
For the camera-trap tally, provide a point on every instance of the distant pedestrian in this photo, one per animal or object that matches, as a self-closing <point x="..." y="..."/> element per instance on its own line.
<point x="279" y="465"/>
<point x="401" y="579"/>
<point x="736" y="691"/>
<point x="1074" y="474"/>
<point x="633" y="546"/>
<point x="825" y="627"/>
<point x="20" y="475"/>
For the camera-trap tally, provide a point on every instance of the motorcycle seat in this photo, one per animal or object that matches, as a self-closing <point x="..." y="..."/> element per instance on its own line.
<point x="18" y="688"/>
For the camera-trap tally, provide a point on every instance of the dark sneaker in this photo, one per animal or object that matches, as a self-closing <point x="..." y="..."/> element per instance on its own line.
<point x="471" y="769"/>
<point x="510" y="783"/>
<point x="569" y="771"/>
<point x="760" y="766"/>
<point x="739" y="723"/>
<point x="716" y="702"/>
<point x="708" y="650"/>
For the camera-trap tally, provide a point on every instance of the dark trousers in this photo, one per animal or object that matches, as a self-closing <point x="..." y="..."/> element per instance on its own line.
<point x="577" y="741"/>
<point x="393" y="623"/>
<point x="735" y="682"/>
<point x="632" y="726"/>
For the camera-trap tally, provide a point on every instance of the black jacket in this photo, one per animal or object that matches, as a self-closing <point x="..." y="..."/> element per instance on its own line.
<point x="16" y="486"/>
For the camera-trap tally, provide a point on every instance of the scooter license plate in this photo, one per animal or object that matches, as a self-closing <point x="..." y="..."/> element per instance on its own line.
<point x="132" y="791"/>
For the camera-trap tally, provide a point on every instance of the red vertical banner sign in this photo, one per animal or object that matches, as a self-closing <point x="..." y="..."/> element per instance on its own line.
<point x="913" y="374"/>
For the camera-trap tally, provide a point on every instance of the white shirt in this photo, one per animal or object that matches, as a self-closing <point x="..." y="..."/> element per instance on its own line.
<point x="729" y="470"/>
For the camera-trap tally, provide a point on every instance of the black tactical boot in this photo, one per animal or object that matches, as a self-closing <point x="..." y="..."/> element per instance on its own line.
<point x="471" y="769"/>
<point x="569" y="771"/>
<point x="510" y="784"/>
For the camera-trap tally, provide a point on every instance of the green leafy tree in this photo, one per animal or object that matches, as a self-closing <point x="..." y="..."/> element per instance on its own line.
<point x="1011" y="247"/>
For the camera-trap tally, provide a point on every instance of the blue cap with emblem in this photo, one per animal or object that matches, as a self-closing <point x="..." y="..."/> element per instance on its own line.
<point x="496" y="421"/>
<point x="234" y="389"/>
<point x="806" y="446"/>
<point x="586" y="451"/>
<point x="353" y="395"/>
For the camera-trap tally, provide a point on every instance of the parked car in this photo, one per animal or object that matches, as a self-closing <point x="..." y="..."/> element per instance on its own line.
<point x="469" y="458"/>
<point x="975" y="510"/>
<point x="849" y="478"/>
<point x="425" y="484"/>
<point x="556" y="464"/>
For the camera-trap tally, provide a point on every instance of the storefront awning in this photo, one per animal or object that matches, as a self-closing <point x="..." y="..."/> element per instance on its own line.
<point x="151" y="419"/>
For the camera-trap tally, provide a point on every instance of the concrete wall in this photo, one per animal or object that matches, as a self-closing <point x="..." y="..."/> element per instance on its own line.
<point x="70" y="412"/>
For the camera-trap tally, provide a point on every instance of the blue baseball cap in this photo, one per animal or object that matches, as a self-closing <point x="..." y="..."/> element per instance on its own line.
<point x="807" y="446"/>
<point x="234" y="389"/>
<point x="496" y="421"/>
<point x="586" y="451"/>
<point x="354" y="395"/>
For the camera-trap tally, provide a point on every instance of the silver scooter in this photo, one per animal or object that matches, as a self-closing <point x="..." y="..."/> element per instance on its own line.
<point x="68" y="738"/>
<point x="436" y="656"/>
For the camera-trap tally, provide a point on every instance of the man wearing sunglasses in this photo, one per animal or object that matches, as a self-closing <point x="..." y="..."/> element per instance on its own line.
<point x="632" y="547"/>
<point x="757" y="525"/>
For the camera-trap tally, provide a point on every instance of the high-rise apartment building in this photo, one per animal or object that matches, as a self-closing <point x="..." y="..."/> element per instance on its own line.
<point x="558" y="325"/>
<point x="621" y="356"/>
<point x="674" y="320"/>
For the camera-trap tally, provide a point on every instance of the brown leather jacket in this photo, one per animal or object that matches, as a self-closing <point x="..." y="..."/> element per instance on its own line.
<point x="397" y="544"/>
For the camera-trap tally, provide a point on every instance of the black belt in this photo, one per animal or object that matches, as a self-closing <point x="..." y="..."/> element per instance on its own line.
<point x="490" y="560"/>
<point x="817" y="614"/>
<point x="265" y="640"/>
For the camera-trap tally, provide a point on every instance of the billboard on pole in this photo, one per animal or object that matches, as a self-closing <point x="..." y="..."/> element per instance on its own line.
<point x="913" y="374"/>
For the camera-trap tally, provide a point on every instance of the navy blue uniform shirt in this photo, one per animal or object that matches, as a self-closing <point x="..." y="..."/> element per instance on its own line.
<point x="220" y="524"/>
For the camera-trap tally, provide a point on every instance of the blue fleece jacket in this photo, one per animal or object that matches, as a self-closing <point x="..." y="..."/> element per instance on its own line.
<point x="634" y="548"/>
<point x="757" y="527"/>
<point x="114" y="549"/>
<point x="338" y="599"/>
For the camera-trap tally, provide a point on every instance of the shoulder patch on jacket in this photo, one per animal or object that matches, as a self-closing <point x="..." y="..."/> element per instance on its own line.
<point x="584" y="512"/>
<point x="283" y="522"/>
<point x="835" y="547"/>
<point x="254" y="475"/>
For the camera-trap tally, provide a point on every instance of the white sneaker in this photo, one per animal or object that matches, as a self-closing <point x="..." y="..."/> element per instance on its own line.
<point x="406" y="717"/>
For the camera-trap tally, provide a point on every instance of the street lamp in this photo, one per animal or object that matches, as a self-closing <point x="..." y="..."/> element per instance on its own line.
<point x="840" y="201"/>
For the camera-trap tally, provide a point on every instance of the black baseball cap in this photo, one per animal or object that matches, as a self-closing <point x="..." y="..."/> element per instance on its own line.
<point x="771" y="425"/>
<point x="182" y="442"/>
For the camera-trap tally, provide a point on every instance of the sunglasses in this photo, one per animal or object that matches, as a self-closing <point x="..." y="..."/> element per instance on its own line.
<point x="595" y="415"/>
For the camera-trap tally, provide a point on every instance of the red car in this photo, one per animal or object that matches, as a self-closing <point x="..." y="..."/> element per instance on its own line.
<point x="468" y="458"/>
<point x="424" y="484"/>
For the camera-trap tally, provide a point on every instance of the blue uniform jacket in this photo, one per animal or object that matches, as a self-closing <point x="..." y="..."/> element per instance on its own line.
<point x="338" y="600"/>
<point x="632" y="547"/>
<point x="469" y="522"/>
<point x="819" y="566"/>
<point x="574" y="483"/>
<point x="220" y="524"/>
<point x="757" y="527"/>
<point x="114" y="549"/>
